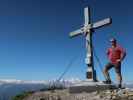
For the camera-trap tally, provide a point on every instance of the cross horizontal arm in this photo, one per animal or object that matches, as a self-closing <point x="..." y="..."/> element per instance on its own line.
<point x="75" y="33"/>
<point x="102" y="23"/>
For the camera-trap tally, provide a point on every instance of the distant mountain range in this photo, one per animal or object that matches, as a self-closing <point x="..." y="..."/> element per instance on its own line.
<point x="10" y="88"/>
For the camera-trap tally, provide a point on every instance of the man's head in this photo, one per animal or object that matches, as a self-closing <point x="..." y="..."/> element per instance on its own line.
<point x="113" y="42"/>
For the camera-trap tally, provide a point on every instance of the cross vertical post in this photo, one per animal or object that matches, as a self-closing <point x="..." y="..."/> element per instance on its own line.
<point x="90" y="73"/>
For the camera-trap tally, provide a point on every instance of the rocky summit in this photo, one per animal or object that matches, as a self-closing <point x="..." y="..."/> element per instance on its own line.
<point x="116" y="94"/>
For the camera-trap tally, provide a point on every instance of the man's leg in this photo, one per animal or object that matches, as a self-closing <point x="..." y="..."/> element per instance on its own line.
<point x="119" y="78"/>
<point x="106" y="73"/>
<point x="118" y="74"/>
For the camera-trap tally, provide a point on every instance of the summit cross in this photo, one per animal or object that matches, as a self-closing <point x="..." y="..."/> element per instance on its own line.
<point x="87" y="30"/>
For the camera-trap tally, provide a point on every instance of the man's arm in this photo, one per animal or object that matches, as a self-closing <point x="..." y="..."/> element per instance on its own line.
<point x="123" y="54"/>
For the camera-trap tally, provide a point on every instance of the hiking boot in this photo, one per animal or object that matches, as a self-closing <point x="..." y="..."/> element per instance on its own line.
<point x="107" y="82"/>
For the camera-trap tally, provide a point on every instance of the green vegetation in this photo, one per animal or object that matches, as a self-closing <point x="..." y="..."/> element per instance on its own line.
<point x="22" y="96"/>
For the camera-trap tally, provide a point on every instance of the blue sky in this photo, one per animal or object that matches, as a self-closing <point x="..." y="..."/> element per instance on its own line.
<point x="34" y="41"/>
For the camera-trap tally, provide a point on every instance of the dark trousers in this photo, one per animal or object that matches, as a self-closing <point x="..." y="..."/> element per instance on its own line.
<point x="117" y="68"/>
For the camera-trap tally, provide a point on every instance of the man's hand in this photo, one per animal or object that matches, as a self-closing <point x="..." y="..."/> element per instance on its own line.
<point x="118" y="60"/>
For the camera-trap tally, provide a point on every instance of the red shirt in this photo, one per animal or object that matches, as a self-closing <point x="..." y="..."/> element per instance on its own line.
<point x="115" y="53"/>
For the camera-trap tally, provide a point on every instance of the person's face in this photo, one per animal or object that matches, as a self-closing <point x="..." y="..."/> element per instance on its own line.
<point x="113" y="43"/>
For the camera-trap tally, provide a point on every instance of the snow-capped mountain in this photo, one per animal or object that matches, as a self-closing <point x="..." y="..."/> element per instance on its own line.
<point x="14" y="81"/>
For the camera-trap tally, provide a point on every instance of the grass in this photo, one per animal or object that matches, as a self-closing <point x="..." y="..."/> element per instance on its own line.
<point x="22" y="95"/>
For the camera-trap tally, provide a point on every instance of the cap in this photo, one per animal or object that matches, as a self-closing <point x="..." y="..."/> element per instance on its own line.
<point x="112" y="40"/>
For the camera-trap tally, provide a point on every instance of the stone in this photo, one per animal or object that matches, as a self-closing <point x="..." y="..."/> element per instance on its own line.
<point x="114" y="97"/>
<point x="96" y="95"/>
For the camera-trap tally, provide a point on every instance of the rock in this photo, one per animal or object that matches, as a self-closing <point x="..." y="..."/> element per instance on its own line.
<point x="95" y="93"/>
<point x="121" y="94"/>
<point x="130" y="98"/>
<point x="114" y="97"/>
<point x="97" y="97"/>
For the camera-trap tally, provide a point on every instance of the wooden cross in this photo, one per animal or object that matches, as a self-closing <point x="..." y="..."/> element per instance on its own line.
<point x="87" y="30"/>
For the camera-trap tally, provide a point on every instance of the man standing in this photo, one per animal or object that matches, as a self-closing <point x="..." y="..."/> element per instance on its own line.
<point x="115" y="54"/>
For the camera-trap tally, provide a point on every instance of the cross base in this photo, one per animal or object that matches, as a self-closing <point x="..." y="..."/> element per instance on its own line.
<point x="91" y="76"/>
<point x="89" y="86"/>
